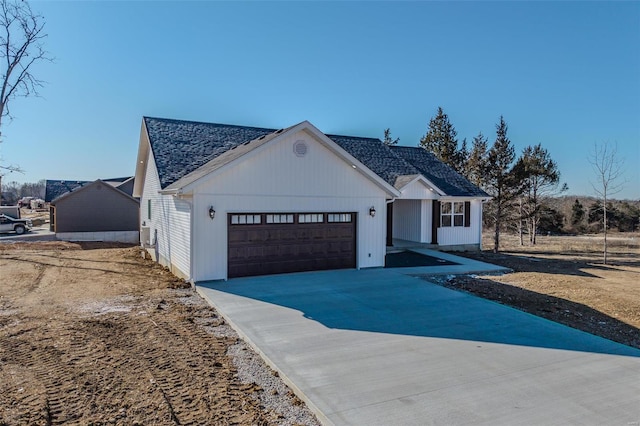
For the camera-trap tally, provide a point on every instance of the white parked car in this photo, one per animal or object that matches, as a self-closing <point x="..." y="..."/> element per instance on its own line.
<point x="10" y="224"/>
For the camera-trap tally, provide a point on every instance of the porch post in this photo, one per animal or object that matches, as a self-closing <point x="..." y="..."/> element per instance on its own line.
<point x="435" y="221"/>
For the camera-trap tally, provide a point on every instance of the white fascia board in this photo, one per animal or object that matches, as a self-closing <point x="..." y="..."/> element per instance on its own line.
<point x="463" y="198"/>
<point x="426" y="182"/>
<point x="144" y="146"/>
<point x="176" y="191"/>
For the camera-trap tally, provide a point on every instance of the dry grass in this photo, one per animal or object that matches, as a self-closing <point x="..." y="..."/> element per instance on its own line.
<point x="618" y="243"/>
<point x="562" y="278"/>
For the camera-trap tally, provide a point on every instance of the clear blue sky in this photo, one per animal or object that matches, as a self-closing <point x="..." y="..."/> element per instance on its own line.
<point x="564" y="74"/>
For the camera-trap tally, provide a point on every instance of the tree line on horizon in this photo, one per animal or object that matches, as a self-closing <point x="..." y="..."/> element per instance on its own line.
<point x="13" y="191"/>
<point x="524" y="189"/>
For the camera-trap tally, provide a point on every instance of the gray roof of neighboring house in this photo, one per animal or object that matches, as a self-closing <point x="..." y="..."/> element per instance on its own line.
<point x="57" y="188"/>
<point x="443" y="176"/>
<point x="116" y="181"/>
<point x="182" y="148"/>
<point x="111" y="185"/>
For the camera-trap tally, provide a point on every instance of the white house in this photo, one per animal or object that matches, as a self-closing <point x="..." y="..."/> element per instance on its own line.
<point x="220" y="201"/>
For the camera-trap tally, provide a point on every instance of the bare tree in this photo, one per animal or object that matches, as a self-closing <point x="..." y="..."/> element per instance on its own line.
<point x="21" y="46"/>
<point x="608" y="168"/>
<point x="4" y="170"/>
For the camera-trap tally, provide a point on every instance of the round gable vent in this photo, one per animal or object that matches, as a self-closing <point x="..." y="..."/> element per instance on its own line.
<point x="300" y="148"/>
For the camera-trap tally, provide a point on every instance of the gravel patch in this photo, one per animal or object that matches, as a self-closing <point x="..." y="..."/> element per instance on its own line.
<point x="107" y="306"/>
<point x="274" y="394"/>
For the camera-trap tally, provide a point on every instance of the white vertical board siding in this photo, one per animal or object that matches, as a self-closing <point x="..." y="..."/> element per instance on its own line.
<point x="412" y="220"/>
<point x="150" y="192"/>
<point x="276" y="180"/>
<point x="407" y="220"/>
<point x="175" y="216"/>
<point x="456" y="235"/>
<point x="169" y="223"/>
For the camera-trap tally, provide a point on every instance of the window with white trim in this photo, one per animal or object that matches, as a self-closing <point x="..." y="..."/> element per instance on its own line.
<point x="452" y="213"/>
<point x="339" y="217"/>
<point x="311" y="218"/>
<point x="279" y="218"/>
<point x="246" y="219"/>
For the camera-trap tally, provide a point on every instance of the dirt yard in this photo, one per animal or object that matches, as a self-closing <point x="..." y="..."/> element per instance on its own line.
<point x="562" y="278"/>
<point x="94" y="334"/>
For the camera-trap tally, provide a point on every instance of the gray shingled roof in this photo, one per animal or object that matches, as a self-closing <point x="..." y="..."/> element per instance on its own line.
<point x="182" y="147"/>
<point x="224" y="158"/>
<point x="376" y="156"/>
<point x="443" y="176"/>
<point x="56" y="188"/>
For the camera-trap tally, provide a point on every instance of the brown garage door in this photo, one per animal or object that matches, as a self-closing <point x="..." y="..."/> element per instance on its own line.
<point x="269" y="243"/>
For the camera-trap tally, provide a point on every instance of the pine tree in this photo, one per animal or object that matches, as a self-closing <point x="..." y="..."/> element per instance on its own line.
<point x="463" y="158"/>
<point x="577" y="214"/>
<point x="477" y="161"/>
<point x="388" y="140"/>
<point x="539" y="178"/>
<point x="499" y="179"/>
<point x="441" y="141"/>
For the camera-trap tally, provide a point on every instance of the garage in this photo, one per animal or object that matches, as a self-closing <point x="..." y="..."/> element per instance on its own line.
<point x="278" y="243"/>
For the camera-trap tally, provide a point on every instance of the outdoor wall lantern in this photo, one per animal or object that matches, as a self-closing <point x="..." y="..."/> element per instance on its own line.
<point x="372" y="211"/>
<point x="212" y="212"/>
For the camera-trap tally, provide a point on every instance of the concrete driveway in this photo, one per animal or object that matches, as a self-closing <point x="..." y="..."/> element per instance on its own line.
<point x="377" y="347"/>
<point x="37" y="233"/>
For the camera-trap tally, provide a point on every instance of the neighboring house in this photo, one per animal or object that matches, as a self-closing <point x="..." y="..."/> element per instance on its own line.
<point x="221" y="201"/>
<point x="56" y="188"/>
<point x="102" y="210"/>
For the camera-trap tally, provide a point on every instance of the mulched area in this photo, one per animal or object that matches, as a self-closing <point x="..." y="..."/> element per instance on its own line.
<point x="408" y="259"/>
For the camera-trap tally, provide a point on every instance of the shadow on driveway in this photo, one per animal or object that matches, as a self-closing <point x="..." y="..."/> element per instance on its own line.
<point x="384" y="301"/>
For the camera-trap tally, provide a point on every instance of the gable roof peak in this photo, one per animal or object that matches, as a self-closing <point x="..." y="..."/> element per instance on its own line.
<point x="442" y="175"/>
